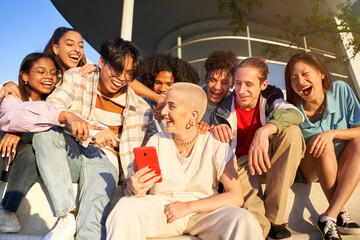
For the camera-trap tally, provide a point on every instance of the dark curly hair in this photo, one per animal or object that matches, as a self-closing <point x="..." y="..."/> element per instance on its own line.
<point x="156" y="62"/>
<point x="221" y="61"/>
<point x="185" y="72"/>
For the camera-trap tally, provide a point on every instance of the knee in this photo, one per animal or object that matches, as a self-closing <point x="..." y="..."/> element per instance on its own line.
<point x="26" y="153"/>
<point x="292" y="135"/>
<point x="48" y="137"/>
<point x="121" y="214"/>
<point x="240" y="217"/>
<point x="355" y="145"/>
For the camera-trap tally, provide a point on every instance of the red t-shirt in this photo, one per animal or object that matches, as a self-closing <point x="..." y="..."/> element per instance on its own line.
<point x="247" y="124"/>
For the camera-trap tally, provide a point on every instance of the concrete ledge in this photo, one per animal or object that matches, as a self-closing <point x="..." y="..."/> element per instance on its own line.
<point x="305" y="203"/>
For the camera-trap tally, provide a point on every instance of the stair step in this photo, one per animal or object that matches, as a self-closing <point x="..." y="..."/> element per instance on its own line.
<point x="305" y="203"/>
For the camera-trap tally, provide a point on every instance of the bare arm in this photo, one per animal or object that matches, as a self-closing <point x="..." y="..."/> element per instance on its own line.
<point x="347" y="134"/>
<point x="319" y="142"/>
<point x="9" y="88"/>
<point x="142" y="90"/>
<point x="233" y="195"/>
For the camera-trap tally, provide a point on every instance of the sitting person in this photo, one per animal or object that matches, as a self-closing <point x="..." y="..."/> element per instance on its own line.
<point x="219" y="78"/>
<point x="158" y="71"/>
<point x="265" y="138"/>
<point x="66" y="46"/>
<point x="38" y="75"/>
<point x="332" y="132"/>
<point x="186" y="201"/>
<point x="103" y="97"/>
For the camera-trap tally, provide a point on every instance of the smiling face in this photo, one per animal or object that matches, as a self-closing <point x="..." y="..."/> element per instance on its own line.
<point x="218" y="84"/>
<point x="176" y="112"/>
<point x="110" y="81"/>
<point x="163" y="82"/>
<point x="41" y="78"/>
<point x="307" y="82"/>
<point x="70" y="49"/>
<point x="248" y="87"/>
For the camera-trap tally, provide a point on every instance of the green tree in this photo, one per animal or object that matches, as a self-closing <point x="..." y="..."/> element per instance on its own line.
<point x="294" y="30"/>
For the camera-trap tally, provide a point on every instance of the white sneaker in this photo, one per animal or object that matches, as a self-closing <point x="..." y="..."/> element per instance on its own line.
<point x="64" y="228"/>
<point x="9" y="223"/>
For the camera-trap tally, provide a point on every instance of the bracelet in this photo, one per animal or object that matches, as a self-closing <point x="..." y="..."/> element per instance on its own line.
<point x="131" y="193"/>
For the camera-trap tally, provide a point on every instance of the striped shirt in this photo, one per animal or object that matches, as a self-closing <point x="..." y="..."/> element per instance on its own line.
<point x="78" y="95"/>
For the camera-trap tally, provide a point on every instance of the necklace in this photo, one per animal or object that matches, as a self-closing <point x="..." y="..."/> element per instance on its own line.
<point x="183" y="144"/>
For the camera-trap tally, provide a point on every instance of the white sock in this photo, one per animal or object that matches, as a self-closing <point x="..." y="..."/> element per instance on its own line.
<point x="324" y="218"/>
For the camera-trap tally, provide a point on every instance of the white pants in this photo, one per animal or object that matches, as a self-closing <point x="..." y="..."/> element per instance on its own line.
<point x="137" y="218"/>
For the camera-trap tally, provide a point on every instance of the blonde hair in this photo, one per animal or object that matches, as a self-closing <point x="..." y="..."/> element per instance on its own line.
<point x="193" y="95"/>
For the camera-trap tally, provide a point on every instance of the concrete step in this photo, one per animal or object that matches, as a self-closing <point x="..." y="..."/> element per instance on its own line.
<point x="305" y="203"/>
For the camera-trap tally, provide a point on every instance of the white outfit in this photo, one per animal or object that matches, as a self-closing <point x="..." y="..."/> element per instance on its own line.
<point x="184" y="179"/>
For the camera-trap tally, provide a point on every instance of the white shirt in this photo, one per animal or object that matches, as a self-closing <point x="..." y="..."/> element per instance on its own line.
<point x="194" y="177"/>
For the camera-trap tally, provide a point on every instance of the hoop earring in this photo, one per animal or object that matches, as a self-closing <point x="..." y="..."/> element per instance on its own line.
<point x="189" y="124"/>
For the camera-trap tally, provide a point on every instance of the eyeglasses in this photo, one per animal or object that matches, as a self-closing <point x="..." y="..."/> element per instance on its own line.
<point x="42" y="72"/>
<point x="128" y="75"/>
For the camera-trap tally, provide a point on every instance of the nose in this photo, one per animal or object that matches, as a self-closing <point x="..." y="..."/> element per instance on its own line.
<point x="163" y="88"/>
<point x="77" y="48"/>
<point x="300" y="80"/>
<point x="218" y="85"/>
<point x="164" y="110"/>
<point x="241" y="88"/>
<point x="48" y="74"/>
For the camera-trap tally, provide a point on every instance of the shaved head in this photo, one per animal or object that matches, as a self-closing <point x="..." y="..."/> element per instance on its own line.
<point x="193" y="96"/>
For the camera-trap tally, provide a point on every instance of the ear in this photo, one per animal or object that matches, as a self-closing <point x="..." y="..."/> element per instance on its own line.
<point x="24" y="76"/>
<point x="194" y="116"/>
<point x="55" y="49"/>
<point x="207" y="78"/>
<point x="101" y="63"/>
<point x="264" y="85"/>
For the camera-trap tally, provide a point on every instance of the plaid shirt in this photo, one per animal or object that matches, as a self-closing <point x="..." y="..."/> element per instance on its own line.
<point x="77" y="94"/>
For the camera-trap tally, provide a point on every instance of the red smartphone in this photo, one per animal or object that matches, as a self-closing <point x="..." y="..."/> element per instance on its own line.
<point x="147" y="156"/>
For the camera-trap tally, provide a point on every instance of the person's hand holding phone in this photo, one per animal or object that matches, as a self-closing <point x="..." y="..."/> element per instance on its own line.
<point x="142" y="180"/>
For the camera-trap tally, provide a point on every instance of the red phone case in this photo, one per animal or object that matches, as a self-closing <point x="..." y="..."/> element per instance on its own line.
<point x="147" y="156"/>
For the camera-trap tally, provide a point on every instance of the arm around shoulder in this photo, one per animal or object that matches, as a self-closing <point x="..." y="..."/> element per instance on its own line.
<point x="284" y="118"/>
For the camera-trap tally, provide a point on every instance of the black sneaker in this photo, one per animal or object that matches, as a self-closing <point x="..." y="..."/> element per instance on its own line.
<point x="328" y="230"/>
<point x="278" y="232"/>
<point x="346" y="225"/>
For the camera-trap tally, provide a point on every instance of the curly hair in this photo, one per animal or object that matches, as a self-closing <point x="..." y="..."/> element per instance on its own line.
<point x="221" y="61"/>
<point x="185" y="72"/>
<point x="156" y="62"/>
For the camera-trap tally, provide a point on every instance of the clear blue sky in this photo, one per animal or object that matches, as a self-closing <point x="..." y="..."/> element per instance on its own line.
<point x="26" y="26"/>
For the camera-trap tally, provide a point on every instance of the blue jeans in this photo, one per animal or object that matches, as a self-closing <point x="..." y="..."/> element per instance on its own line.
<point x="22" y="175"/>
<point x="57" y="153"/>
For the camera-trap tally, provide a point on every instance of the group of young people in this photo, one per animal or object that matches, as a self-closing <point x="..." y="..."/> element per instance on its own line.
<point x="68" y="121"/>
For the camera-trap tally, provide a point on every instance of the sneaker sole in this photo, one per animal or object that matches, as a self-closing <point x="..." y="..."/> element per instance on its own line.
<point x="269" y="238"/>
<point x="348" y="231"/>
<point x="5" y="229"/>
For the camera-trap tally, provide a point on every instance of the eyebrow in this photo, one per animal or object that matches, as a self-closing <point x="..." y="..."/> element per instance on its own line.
<point x="246" y="81"/>
<point x="158" y="80"/>
<point x="72" y="40"/>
